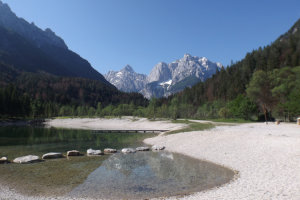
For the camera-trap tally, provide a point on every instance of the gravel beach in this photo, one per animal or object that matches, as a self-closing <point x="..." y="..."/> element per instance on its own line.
<point x="267" y="158"/>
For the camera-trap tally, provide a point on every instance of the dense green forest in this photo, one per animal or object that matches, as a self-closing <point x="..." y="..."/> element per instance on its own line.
<point x="25" y="94"/>
<point x="262" y="86"/>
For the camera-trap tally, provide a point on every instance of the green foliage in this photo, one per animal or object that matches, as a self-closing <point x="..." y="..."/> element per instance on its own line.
<point x="286" y="91"/>
<point x="259" y="90"/>
<point x="231" y="120"/>
<point x="241" y="107"/>
<point x="174" y="108"/>
<point x="12" y="103"/>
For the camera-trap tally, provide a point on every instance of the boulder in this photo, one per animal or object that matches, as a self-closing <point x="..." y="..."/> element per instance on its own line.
<point x="142" y="149"/>
<point x="3" y="160"/>
<point x="27" y="159"/>
<point x="52" y="155"/>
<point x="128" y="150"/>
<point x="92" y="152"/>
<point x="158" y="148"/>
<point x="108" y="150"/>
<point x="73" y="153"/>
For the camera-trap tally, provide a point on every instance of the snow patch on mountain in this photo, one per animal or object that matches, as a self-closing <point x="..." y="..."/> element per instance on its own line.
<point x="126" y="79"/>
<point x="165" y="79"/>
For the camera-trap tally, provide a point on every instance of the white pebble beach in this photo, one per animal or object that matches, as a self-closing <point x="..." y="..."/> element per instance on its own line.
<point x="265" y="157"/>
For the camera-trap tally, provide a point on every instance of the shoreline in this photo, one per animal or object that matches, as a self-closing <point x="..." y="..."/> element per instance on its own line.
<point x="266" y="157"/>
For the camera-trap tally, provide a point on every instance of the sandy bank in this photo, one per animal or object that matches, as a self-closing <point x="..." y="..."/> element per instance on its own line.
<point x="124" y="123"/>
<point x="266" y="156"/>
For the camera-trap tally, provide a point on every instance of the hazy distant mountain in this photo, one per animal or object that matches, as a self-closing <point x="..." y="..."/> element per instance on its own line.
<point x="26" y="47"/>
<point x="126" y="79"/>
<point x="165" y="79"/>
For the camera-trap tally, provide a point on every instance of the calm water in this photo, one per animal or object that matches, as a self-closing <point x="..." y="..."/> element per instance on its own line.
<point x="133" y="176"/>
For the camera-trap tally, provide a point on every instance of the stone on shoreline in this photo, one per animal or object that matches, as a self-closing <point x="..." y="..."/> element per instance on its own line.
<point x="52" y="155"/>
<point x="128" y="150"/>
<point x="27" y="159"/>
<point x="108" y="150"/>
<point x="3" y="160"/>
<point x="158" y="148"/>
<point x="142" y="149"/>
<point x="92" y="152"/>
<point x="73" y="153"/>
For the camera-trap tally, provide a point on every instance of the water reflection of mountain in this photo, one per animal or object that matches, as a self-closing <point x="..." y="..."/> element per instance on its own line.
<point x="151" y="174"/>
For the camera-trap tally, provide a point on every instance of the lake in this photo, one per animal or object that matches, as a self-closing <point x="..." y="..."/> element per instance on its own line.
<point x="127" y="176"/>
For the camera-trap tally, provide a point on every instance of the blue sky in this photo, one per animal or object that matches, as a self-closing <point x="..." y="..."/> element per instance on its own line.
<point x="113" y="33"/>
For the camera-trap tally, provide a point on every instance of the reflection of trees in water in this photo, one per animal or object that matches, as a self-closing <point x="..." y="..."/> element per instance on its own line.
<point x="170" y="167"/>
<point x="34" y="135"/>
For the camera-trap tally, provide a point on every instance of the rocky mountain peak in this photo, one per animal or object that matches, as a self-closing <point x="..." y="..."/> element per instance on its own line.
<point x="4" y="6"/>
<point x="126" y="79"/>
<point x="164" y="79"/>
<point x="187" y="57"/>
<point x="128" y="68"/>
<point x="160" y="72"/>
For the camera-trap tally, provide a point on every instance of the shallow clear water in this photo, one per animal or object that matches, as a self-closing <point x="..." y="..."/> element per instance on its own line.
<point x="120" y="176"/>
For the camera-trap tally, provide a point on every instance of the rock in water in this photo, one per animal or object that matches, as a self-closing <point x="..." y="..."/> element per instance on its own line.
<point x="52" y="155"/>
<point x="142" y="149"/>
<point x="128" y="150"/>
<point x="3" y="160"/>
<point x="73" y="153"/>
<point x="92" y="152"/>
<point x="158" y="148"/>
<point x="27" y="159"/>
<point x="108" y="150"/>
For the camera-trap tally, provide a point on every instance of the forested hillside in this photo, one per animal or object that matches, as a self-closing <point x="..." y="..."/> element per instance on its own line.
<point x="31" y="49"/>
<point x="24" y="94"/>
<point x="216" y="96"/>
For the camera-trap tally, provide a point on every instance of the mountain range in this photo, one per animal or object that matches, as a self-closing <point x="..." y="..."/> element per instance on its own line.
<point x="38" y="65"/>
<point x="165" y="78"/>
<point x="26" y="47"/>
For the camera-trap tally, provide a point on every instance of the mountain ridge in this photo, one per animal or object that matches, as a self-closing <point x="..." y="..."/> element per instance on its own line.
<point x="29" y="48"/>
<point x="164" y="78"/>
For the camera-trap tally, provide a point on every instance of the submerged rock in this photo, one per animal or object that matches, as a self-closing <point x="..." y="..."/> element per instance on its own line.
<point x="142" y="149"/>
<point x="73" y="153"/>
<point x="158" y="148"/>
<point x="4" y="160"/>
<point x="27" y="159"/>
<point x="128" y="150"/>
<point x="108" y="150"/>
<point x="92" y="152"/>
<point x="52" y="155"/>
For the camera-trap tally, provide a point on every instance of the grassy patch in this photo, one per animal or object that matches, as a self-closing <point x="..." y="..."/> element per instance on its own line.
<point x="192" y="126"/>
<point x="232" y="120"/>
<point x="64" y="117"/>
